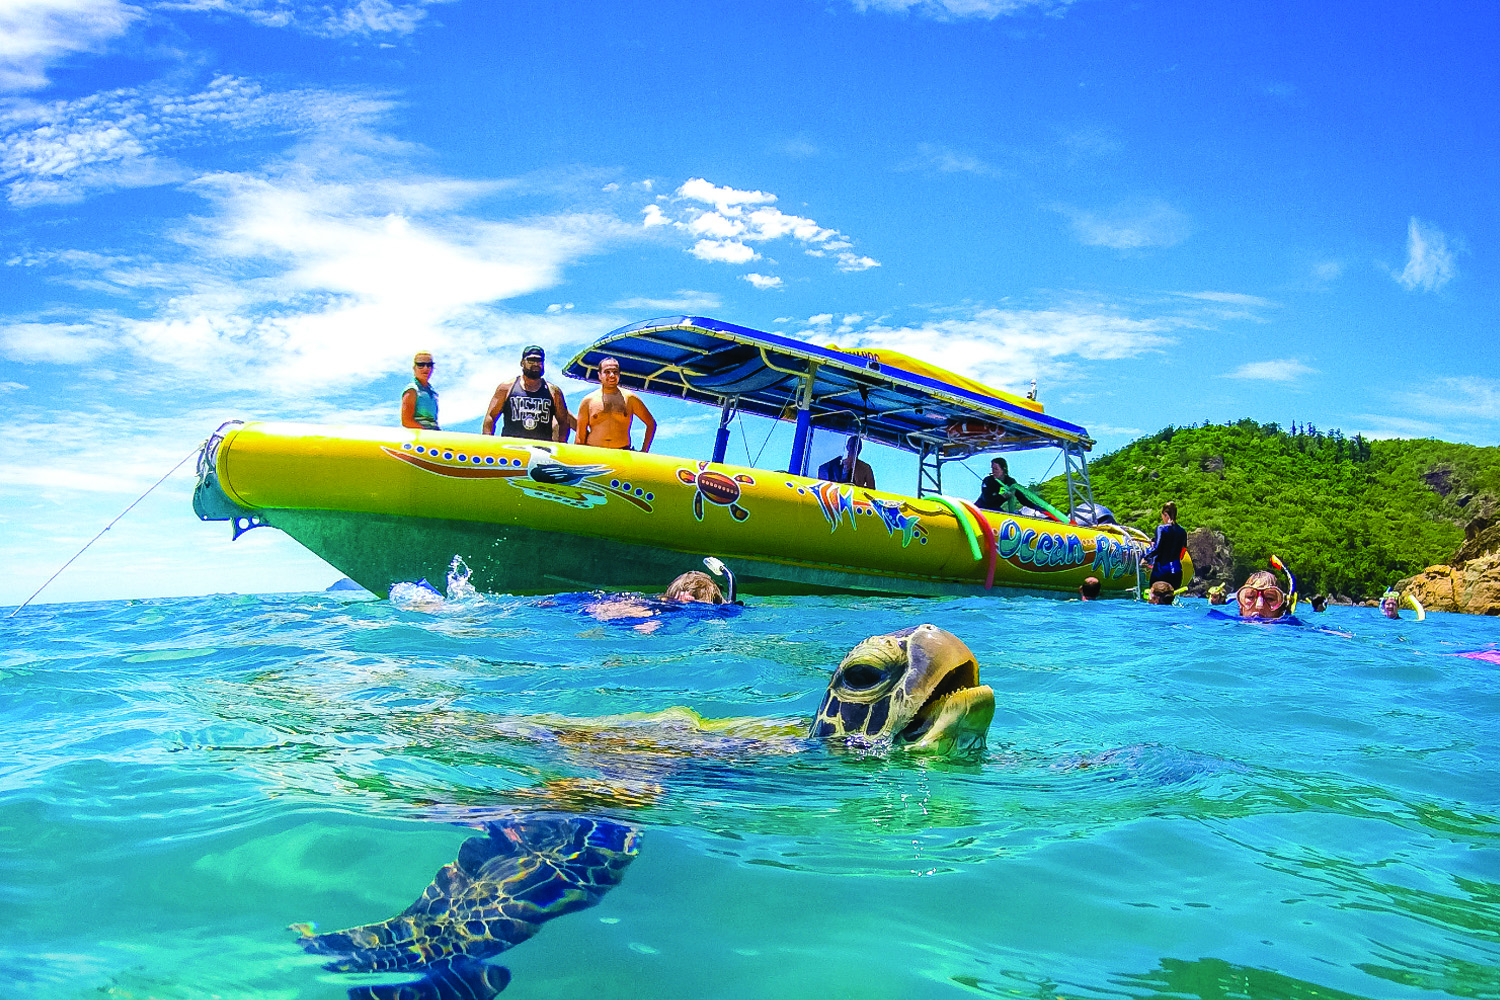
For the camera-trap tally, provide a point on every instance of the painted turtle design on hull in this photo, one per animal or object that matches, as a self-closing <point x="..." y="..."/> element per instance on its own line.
<point x="718" y="488"/>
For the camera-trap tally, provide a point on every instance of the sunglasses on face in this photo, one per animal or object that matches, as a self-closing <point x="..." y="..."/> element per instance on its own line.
<point x="424" y="364"/>
<point x="1271" y="596"/>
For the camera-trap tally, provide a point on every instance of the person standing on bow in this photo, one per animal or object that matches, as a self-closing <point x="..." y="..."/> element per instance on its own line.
<point x="530" y="407"/>
<point x="605" y="415"/>
<point x="419" y="401"/>
<point x="1165" y="556"/>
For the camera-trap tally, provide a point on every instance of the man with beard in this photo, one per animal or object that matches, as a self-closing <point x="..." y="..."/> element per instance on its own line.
<point x="530" y="407"/>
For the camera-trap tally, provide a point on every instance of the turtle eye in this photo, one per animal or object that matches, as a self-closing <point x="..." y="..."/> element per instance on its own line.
<point x="861" y="676"/>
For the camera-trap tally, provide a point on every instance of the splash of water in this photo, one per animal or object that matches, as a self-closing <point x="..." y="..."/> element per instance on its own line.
<point x="459" y="587"/>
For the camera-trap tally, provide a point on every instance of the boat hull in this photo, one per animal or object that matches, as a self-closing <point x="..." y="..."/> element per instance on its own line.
<point x="389" y="505"/>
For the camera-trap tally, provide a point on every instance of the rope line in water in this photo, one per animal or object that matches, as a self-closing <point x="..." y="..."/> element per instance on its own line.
<point x="111" y="524"/>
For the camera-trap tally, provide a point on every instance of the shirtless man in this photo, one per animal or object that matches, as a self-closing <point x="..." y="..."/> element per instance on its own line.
<point x="530" y="407"/>
<point x="605" y="414"/>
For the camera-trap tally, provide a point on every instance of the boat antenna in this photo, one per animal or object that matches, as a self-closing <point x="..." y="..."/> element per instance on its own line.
<point x="717" y="566"/>
<point x="196" y="449"/>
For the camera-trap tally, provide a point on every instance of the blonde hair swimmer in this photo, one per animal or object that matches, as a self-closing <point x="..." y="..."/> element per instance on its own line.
<point x="1260" y="597"/>
<point x="419" y="401"/>
<point x="694" y="587"/>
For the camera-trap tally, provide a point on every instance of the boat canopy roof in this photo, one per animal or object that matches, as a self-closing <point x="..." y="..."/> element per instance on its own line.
<point x="885" y="396"/>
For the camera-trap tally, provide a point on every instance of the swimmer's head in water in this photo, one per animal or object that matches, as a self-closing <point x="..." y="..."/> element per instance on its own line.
<point x="1260" y="597"/>
<point x="1390" y="604"/>
<point x="694" y="587"/>
<point x="917" y="689"/>
<point x="1217" y="594"/>
<point x="1161" y="593"/>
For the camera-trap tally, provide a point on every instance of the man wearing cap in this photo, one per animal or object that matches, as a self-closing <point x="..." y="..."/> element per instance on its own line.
<point x="530" y="407"/>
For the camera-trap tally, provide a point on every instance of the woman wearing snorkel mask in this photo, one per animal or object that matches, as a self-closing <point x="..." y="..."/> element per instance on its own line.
<point x="1261" y="597"/>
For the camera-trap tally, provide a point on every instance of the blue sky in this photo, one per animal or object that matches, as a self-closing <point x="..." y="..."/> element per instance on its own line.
<point x="1164" y="212"/>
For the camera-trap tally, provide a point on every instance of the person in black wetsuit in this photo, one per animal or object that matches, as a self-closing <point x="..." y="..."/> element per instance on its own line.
<point x="995" y="489"/>
<point x="530" y="407"/>
<point x="1165" y="556"/>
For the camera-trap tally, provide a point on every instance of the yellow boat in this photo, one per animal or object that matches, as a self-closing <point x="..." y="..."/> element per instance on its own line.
<point x="386" y="505"/>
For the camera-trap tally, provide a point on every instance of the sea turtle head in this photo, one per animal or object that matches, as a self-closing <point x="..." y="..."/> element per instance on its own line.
<point x="917" y="689"/>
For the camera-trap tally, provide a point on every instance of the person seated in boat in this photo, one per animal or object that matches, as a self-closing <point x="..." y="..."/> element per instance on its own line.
<point x="1089" y="589"/>
<point x="995" y="491"/>
<point x="1260" y="597"/>
<point x="605" y="415"/>
<point x="530" y="407"/>
<point x="694" y="587"/>
<point x="1218" y="594"/>
<point x="1164" y="557"/>
<point x="419" y="401"/>
<point x="847" y="468"/>
<point x="1161" y="592"/>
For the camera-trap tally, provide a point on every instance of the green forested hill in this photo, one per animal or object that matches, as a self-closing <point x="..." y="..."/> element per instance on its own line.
<point x="1348" y="515"/>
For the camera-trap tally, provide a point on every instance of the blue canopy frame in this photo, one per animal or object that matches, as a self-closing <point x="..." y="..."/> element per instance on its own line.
<point x="750" y="371"/>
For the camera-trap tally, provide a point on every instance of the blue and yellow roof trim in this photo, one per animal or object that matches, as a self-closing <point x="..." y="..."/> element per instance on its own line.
<point x="888" y="397"/>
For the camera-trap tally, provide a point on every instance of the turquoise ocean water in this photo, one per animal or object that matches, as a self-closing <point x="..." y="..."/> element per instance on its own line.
<point x="1171" y="806"/>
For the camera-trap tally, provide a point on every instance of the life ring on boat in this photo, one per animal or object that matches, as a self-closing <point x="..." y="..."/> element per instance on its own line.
<point x="974" y="430"/>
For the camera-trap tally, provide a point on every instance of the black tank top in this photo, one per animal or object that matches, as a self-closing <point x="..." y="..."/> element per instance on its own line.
<point x="528" y="414"/>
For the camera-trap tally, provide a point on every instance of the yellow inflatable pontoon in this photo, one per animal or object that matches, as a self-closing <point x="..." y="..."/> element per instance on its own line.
<point x="387" y="505"/>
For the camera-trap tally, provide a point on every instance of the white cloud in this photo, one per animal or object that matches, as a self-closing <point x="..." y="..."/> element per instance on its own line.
<point x="725" y="200"/>
<point x="728" y="251"/>
<point x="931" y="157"/>
<point x="1272" y="370"/>
<point x="762" y="281"/>
<point x="65" y="150"/>
<point x="855" y="262"/>
<point x="953" y="10"/>
<point x="1429" y="262"/>
<point x="1327" y="270"/>
<point x="685" y="301"/>
<point x="329" y="19"/>
<point x="737" y="219"/>
<point x="56" y="343"/>
<point x="319" y="275"/>
<point x="999" y="346"/>
<point x="1229" y="298"/>
<point x="1463" y="396"/>
<point x="37" y="33"/>
<point x="1130" y="225"/>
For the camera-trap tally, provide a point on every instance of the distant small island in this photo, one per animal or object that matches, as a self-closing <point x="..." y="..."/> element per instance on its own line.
<point x="1349" y="515"/>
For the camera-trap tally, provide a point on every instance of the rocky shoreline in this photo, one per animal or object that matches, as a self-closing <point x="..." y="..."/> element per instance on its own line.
<point x="1468" y="583"/>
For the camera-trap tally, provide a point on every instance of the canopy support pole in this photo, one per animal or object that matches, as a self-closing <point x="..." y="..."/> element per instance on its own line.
<point x="930" y="470"/>
<point x="803" y="439"/>
<point x="726" y="414"/>
<point x="1076" y="471"/>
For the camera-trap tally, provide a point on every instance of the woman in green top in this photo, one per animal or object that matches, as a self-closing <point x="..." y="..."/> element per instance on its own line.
<point x="419" y="402"/>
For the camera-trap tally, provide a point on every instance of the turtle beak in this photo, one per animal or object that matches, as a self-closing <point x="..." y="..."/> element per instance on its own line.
<point x="956" y="710"/>
<point x="954" y="725"/>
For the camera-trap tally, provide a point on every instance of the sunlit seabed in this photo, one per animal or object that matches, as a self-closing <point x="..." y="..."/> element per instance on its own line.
<point x="1170" y="805"/>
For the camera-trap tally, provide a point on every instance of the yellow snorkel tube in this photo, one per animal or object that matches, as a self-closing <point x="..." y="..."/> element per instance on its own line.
<point x="1291" y="581"/>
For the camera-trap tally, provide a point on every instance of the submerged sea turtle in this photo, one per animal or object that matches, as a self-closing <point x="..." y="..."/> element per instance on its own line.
<point x="913" y="690"/>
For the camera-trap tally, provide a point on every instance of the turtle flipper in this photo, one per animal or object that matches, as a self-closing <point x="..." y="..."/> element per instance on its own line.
<point x="498" y="893"/>
<point x="459" y="979"/>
